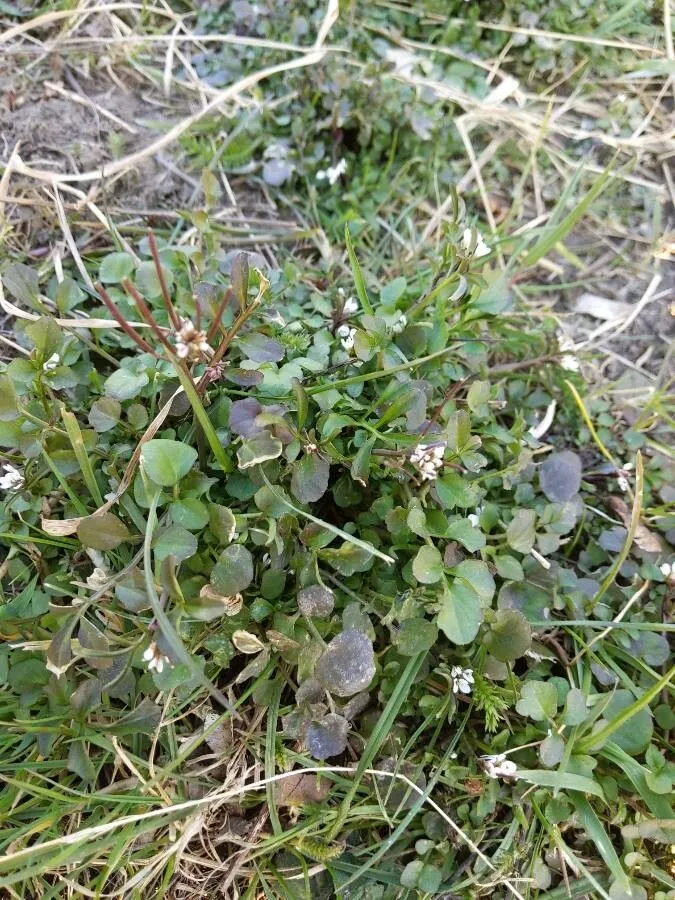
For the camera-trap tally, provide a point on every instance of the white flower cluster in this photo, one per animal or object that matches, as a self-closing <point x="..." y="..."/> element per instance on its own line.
<point x="400" y="324"/>
<point x="190" y="343"/>
<point x="428" y="459"/>
<point x="53" y="361"/>
<point x="13" y="480"/>
<point x="346" y="335"/>
<point x="350" y="305"/>
<point x="499" y="766"/>
<point x="481" y="248"/>
<point x="568" y="360"/>
<point x="332" y="173"/>
<point x="155" y="658"/>
<point x="462" y="680"/>
<point x="474" y="517"/>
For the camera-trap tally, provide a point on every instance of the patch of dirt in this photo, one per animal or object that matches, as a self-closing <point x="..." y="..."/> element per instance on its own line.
<point x="63" y="134"/>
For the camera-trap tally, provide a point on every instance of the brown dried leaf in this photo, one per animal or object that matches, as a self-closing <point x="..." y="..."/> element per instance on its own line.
<point x="300" y="788"/>
<point x="646" y="540"/>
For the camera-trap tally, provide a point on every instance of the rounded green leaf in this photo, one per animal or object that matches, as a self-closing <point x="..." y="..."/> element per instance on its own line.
<point x="477" y="574"/>
<point x="428" y="565"/>
<point x="115" y="267"/>
<point x="636" y="733"/>
<point x="234" y="570"/>
<point x="124" y="384"/>
<point x="538" y="700"/>
<point x="104" y="414"/>
<point x="509" y="636"/>
<point x="461" y="613"/>
<point x="560" y="476"/>
<point x="415" y="636"/>
<point x="174" y="541"/>
<point x="104" y="532"/>
<point x="166" y="462"/>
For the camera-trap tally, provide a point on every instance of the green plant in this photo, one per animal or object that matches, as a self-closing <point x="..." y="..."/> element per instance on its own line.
<point x="338" y="502"/>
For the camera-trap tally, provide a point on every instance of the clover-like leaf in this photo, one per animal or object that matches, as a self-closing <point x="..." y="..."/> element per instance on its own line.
<point x="509" y="635"/>
<point x="477" y="574"/>
<point x="104" y="532"/>
<point x="428" y="565"/>
<point x="327" y="737"/>
<point x="115" y="267"/>
<point x="124" y="384"/>
<point x="104" y="414"/>
<point x="176" y="541"/>
<point x="551" y="750"/>
<point x="234" y="570"/>
<point x="415" y="636"/>
<point x="166" y="462"/>
<point x="461" y="613"/>
<point x="538" y="700"/>
<point x="576" y="709"/>
<point x="310" y="478"/>
<point x="258" y="449"/>
<point x="520" y="532"/>
<point x="560" y="476"/>
<point x="316" y="600"/>
<point x="348" y="664"/>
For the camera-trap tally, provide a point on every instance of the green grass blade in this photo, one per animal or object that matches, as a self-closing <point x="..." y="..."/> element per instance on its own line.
<point x="378" y="735"/>
<point x="77" y="442"/>
<point x="364" y="545"/>
<point x="553" y="236"/>
<point x="599" y="737"/>
<point x="358" y="274"/>
<point x="595" y="831"/>
<point x="202" y="417"/>
<point x="563" y="781"/>
<point x="271" y="754"/>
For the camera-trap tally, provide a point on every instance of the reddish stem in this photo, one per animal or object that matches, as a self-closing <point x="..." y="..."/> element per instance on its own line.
<point x="175" y="321"/>
<point x="213" y="328"/>
<point x="121" y="321"/>
<point x="144" y="310"/>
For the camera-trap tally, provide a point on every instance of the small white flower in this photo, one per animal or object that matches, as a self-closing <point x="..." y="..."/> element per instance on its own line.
<point x="428" y="459"/>
<point x="190" y="343"/>
<point x="474" y="518"/>
<point x="53" y="361"/>
<point x="621" y="98"/>
<point x="569" y="362"/>
<point x="622" y="481"/>
<point x="155" y="658"/>
<point x="667" y="569"/>
<point x="98" y="579"/>
<point x="332" y="173"/>
<point x="400" y="325"/>
<point x="498" y="766"/>
<point x="346" y="335"/>
<point x="14" y="479"/>
<point x="351" y="306"/>
<point x="568" y="359"/>
<point x="481" y="248"/>
<point x="462" y="680"/>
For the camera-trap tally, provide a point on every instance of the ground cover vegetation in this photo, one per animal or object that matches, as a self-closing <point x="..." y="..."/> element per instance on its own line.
<point x="338" y="535"/>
